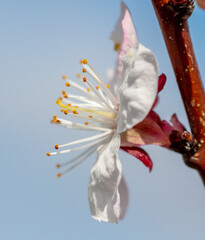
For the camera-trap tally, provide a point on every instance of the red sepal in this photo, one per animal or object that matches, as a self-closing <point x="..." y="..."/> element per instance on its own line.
<point x="140" y="154"/>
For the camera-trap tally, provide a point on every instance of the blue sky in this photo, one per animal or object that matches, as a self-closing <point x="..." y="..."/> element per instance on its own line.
<point x="40" y="41"/>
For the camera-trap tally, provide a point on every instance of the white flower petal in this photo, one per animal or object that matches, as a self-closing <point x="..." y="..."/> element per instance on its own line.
<point x="139" y="87"/>
<point x="105" y="178"/>
<point x="117" y="34"/>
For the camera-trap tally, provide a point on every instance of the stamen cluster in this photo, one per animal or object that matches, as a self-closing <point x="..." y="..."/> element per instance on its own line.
<point x="96" y="105"/>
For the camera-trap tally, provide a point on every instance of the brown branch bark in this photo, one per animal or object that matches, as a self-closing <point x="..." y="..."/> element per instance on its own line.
<point x="172" y="16"/>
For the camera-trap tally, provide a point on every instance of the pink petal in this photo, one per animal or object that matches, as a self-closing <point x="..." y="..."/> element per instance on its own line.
<point x="161" y="82"/>
<point x="129" y="39"/>
<point x="177" y="125"/>
<point x="146" y="132"/>
<point x="139" y="154"/>
<point x="117" y="34"/>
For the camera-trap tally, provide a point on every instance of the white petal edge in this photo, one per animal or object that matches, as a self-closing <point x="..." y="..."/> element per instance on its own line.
<point x="139" y="87"/>
<point x="124" y="197"/>
<point x="105" y="178"/>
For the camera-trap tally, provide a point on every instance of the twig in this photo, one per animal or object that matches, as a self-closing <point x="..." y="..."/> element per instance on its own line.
<point x="172" y="16"/>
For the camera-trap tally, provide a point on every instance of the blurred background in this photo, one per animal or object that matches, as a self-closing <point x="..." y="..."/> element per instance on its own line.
<point x="40" y="41"/>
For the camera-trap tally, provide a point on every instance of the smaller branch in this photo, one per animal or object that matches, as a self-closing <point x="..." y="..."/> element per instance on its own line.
<point x="172" y="16"/>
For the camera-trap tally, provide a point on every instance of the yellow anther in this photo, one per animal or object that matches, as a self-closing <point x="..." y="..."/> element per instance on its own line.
<point x="84" y="61"/>
<point x="56" y="146"/>
<point x="84" y="70"/>
<point x="67" y="84"/>
<point x="48" y="154"/>
<point x="62" y="110"/>
<point x="84" y="79"/>
<point x="86" y="123"/>
<point x="58" y="121"/>
<point x="63" y="92"/>
<point x="58" y="175"/>
<point x="54" y="120"/>
<point x="88" y="89"/>
<point x="117" y="46"/>
<point x="74" y="111"/>
<point x="90" y="116"/>
<point x="97" y="87"/>
<point x="69" y="104"/>
<point x="58" y="165"/>
<point x="64" y="77"/>
<point x="76" y="106"/>
<point x="66" y="112"/>
<point x="65" y="96"/>
<point x="108" y="85"/>
<point x="78" y="75"/>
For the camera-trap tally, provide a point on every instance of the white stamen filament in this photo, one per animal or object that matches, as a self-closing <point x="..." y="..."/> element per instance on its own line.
<point x="80" y="161"/>
<point x="80" y="105"/>
<point x="77" y="157"/>
<point x="86" y="139"/>
<point x="81" y="147"/>
<point x="75" y="85"/>
<point x="83" y="99"/>
<point x="108" y="122"/>
<point x="86" y="104"/>
<point x="100" y="98"/>
<point x="98" y="79"/>
<point x="80" y="126"/>
<point x="112" y="107"/>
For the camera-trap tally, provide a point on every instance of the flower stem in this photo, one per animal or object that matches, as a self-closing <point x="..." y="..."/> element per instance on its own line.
<point x="172" y="16"/>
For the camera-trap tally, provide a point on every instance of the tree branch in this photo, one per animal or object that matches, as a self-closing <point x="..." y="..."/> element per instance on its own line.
<point x="172" y="16"/>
